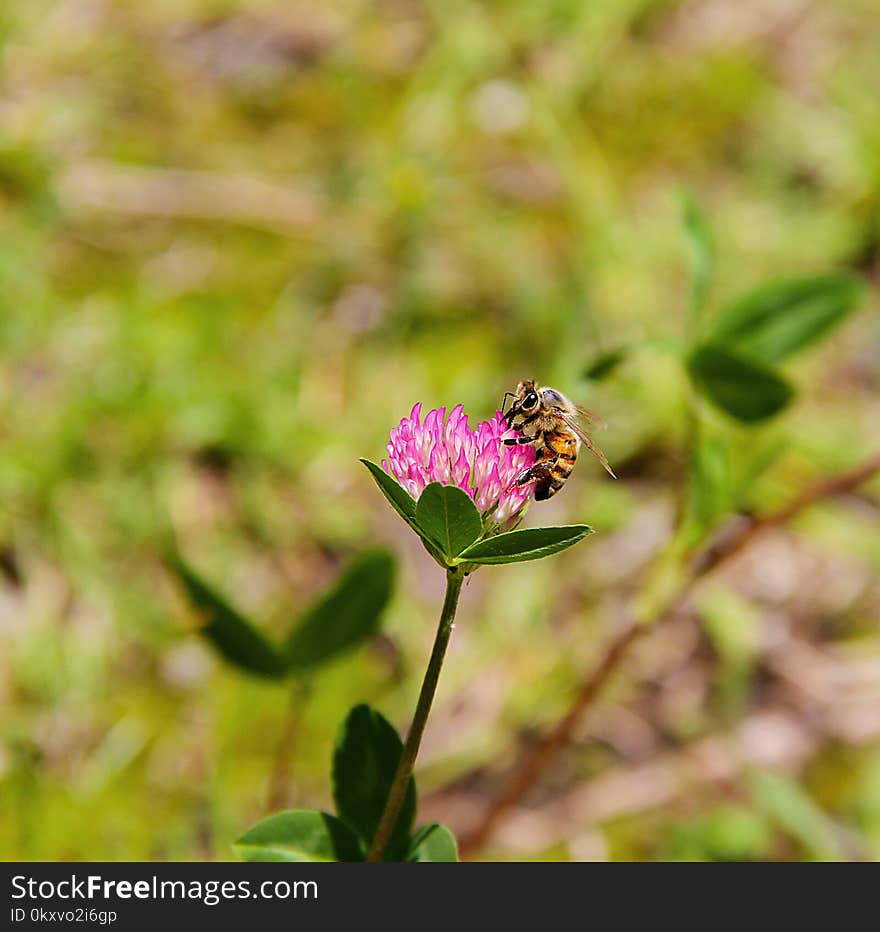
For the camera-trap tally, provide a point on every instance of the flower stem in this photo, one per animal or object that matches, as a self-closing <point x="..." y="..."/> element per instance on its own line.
<point x="279" y="779"/>
<point x="397" y="794"/>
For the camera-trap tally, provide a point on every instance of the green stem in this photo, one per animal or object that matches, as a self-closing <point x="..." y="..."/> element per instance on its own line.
<point x="279" y="779"/>
<point x="397" y="794"/>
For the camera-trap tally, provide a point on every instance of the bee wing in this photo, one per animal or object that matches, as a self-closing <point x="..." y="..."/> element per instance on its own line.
<point x="587" y="441"/>
<point x="593" y="420"/>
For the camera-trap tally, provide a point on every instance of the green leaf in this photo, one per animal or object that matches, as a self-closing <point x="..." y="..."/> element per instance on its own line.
<point x="364" y="762"/>
<point x="433" y="842"/>
<point x="530" y="544"/>
<point x="404" y="504"/>
<point x="605" y="364"/>
<point x="231" y="634"/>
<point x="449" y="518"/>
<point x="745" y="388"/>
<point x="300" y="835"/>
<point x="699" y="242"/>
<point x="346" y="615"/>
<point x="781" y="318"/>
<point x="786" y="803"/>
<point x="399" y="499"/>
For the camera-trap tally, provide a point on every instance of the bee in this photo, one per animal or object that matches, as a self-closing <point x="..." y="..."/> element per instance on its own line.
<point x="546" y="418"/>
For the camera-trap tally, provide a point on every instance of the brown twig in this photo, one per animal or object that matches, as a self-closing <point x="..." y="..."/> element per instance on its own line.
<point x="731" y="540"/>
<point x="720" y="549"/>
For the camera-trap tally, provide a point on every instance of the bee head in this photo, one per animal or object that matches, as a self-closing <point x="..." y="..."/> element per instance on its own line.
<point x="527" y="395"/>
<point x="525" y="399"/>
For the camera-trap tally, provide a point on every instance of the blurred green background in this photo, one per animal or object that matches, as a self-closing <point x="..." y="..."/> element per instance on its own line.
<point x="238" y="240"/>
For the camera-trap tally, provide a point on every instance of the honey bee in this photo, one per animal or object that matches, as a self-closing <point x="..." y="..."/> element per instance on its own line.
<point x="546" y="418"/>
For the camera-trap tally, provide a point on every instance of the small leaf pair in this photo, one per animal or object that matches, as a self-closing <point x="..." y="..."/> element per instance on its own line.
<point x="733" y="363"/>
<point x="451" y="528"/>
<point x="365" y="759"/>
<point x="347" y="614"/>
<point x="734" y="366"/>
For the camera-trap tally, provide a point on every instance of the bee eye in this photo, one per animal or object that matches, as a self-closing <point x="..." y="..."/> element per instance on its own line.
<point x="530" y="400"/>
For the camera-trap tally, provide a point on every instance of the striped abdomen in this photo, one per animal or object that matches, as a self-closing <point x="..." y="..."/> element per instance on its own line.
<point x="560" y="450"/>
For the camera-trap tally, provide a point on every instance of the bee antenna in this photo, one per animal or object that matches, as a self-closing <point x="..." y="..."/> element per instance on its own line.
<point x="504" y="400"/>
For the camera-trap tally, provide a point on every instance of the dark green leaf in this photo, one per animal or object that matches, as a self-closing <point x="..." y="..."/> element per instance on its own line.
<point x="448" y="516"/>
<point x="399" y="499"/>
<point x="700" y="244"/>
<point x="605" y="364"/>
<point x="745" y="388"/>
<point x="231" y="634"/>
<point x="531" y="544"/>
<point x="404" y="504"/>
<point x="364" y="762"/>
<point x="781" y="318"/>
<point x="433" y="842"/>
<point x="344" y="616"/>
<point x="300" y="835"/>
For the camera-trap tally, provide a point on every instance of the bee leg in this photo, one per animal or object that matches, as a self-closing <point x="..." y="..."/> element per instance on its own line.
<point x="537" y="472"/>
<point x="541" y="473"/>
<point x="513" y="441"/>
<point x="543" y="490"/>
<point x="523" y="477"/>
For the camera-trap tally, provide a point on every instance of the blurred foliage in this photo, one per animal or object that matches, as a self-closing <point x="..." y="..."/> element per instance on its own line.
<point x="365" y="760"/>
<point x="239" y="239"/>
<point x="347" y="614"/>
